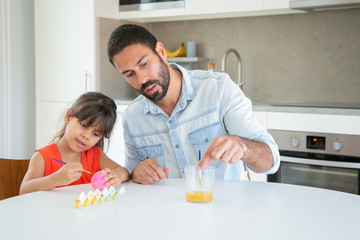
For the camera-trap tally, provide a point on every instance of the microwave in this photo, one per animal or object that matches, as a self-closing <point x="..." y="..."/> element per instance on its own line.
<point x="139" y="5"/>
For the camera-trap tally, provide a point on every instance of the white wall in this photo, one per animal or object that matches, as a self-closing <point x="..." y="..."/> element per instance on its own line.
<point x="17" y="72"/>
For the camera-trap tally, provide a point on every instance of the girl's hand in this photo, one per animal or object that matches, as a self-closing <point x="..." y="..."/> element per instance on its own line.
<point x="113" y="176"/>
<point x="69" y="173"/>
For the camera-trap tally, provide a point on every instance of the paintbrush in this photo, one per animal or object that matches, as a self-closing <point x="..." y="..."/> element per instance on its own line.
<point x="65" y="163"/>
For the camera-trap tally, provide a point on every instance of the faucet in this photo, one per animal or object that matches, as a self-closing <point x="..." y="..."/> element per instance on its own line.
<point x="223" y="64"/>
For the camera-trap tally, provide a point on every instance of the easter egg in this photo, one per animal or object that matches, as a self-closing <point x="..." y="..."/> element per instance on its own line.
<point x="98" y="181"/>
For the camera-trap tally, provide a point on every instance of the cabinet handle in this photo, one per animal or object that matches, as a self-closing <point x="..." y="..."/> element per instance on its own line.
<point x="87" y="78"/>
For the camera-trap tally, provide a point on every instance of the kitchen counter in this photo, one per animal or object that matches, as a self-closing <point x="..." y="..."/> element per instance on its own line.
<point x="352" y="110"/>
<point x="315" y="109"/>
<point x="240" y="210"/>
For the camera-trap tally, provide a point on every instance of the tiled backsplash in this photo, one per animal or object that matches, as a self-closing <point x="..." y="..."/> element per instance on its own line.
<point x="313" y="57"/>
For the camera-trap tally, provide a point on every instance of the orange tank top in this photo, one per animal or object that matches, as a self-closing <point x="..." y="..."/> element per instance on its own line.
<point x="90" y="160"/>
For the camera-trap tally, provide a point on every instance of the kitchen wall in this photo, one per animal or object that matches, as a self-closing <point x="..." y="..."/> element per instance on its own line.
<point x="111" y="81"/>
<point x="310" y="57"/>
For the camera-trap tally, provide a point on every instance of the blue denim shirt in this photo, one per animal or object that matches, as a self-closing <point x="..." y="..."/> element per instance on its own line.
<point x="210" y="105"/>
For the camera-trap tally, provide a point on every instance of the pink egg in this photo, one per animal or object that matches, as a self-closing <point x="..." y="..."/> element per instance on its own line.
<point x="98" y="181"/>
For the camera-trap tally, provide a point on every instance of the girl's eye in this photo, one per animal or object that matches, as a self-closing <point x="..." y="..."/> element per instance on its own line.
<point x="96" y="134"/>
<point x="83" y="125"/>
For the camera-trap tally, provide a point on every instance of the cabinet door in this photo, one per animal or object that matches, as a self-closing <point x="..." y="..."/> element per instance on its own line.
<point x="276" y="4"/>
<point x="116" y="149"/>
<point x="225" y="6"/>
<point x="49" y="121"/>
<point x="64" y="48"/>
<point x="262" y="118"/>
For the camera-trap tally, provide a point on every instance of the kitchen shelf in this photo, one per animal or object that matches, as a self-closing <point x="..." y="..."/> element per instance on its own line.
<point x="188" y="59"/>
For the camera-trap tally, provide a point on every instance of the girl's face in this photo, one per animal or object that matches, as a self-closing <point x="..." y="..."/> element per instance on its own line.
<point x="80" y="136"/>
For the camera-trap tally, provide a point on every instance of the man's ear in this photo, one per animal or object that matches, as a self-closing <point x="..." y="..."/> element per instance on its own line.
<point x="160" y="49"/>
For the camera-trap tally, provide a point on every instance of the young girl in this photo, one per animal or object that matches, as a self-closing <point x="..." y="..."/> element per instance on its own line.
<point x="79" y="144"/>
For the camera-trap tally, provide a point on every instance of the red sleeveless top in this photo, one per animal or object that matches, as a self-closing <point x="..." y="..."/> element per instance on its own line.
<point x="90" y="160"/>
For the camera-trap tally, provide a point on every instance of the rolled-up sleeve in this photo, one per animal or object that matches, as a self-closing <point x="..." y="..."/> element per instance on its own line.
<point x="239" y="119"/>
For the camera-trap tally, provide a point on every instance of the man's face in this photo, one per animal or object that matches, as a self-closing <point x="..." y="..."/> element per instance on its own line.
<point x="144" y="70"/>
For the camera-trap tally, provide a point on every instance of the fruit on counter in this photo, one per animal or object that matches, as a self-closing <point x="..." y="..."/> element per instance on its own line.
<point x="180" y="52"/>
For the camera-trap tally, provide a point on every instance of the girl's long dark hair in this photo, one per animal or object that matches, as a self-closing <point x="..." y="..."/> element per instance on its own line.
<point x="96" y="109"/>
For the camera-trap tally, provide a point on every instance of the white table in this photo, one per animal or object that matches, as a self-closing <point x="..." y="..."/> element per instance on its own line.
<point x="240" y="210"/>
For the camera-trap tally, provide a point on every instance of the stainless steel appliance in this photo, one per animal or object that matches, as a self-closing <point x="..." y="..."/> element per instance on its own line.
<point x="136" y="5"/>
<point x="324" y="160"/>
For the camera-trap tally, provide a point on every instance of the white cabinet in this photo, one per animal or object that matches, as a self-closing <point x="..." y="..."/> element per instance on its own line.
<point x="116" y="149"/>
<point x="49" y="119"/>
<point x="64" y="45"/>
<point x="276" y="4"/>
<point x="65" y="62"/>
<point x="204" y="9"/>
<point x="224" y="6"/>
<point x="262" y="118"/>
<point x="65" y="33"/>
<point x="309" y="122"/>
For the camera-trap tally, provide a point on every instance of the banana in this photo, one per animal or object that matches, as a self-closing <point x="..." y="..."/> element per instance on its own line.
<point x="180" y="52"/>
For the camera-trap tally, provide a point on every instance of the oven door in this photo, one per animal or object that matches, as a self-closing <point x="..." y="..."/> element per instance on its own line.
<point x="333" y="175"/>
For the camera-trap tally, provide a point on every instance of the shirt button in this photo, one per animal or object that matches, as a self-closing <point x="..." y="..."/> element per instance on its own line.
<point x="206" y="140"/>
<point x="170" y="121"/>
<point x="177" y="145"/>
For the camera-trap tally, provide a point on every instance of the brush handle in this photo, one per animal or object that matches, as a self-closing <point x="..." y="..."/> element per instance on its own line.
<point x="59" y="161"/>
<point x="65" y="163"/>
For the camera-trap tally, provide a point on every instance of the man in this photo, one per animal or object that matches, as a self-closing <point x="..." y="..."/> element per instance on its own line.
<point x="182" y="113"/>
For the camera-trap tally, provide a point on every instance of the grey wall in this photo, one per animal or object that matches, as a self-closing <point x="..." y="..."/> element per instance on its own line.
<point x="111" y="82"/>
<point x="310" y="57"/>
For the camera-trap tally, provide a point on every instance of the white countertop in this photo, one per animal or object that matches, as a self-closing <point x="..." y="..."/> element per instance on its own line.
<point x="266" y="107"/>
<point x="311" y="110"/>
<point x="240" y="210"/>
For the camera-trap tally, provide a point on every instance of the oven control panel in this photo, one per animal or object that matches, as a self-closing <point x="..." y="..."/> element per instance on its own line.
<point x="327" y="143"/>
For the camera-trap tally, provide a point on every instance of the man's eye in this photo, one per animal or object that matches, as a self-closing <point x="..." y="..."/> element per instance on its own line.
<point x="143" y="64"/>
<point x="128" y="75"/>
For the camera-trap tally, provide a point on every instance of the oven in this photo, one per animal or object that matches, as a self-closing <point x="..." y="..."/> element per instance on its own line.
<point x="323" y="160"/>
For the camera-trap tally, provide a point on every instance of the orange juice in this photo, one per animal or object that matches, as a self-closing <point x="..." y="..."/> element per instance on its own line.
<point x="199" y="196"/>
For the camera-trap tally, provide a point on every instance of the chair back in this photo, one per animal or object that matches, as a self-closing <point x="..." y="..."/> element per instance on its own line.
<point x="12" y="173"/>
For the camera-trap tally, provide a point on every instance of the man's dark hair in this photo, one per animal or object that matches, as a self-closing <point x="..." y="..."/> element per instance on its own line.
<point x="126" y="35"/>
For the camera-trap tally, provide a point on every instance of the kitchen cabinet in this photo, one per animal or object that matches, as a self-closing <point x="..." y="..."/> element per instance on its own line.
<point x="310" y="122"/>
<point x="197" y="7"/>
<point x="65" y="33"/>
<point x="115" y="150"/>
<point x="203" y="9"/>
<point x="276" y="4"/>
<point x="65" y="62"/>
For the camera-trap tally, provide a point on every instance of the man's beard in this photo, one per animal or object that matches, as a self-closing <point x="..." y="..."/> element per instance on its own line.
<point x="162" y="82"/>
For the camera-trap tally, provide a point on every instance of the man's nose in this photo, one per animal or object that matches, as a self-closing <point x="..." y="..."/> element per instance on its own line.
<point x="142" y="78"/>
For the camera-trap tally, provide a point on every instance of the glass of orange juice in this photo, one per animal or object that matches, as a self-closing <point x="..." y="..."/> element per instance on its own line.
<point x="199" y="185"/>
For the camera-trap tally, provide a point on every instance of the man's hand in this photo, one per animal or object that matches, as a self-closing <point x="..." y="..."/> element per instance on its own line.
<point x="149" y="171"/>
<point x="228" y="149"/>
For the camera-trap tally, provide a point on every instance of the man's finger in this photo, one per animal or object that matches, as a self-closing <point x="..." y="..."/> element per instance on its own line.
<point x="203" y="163"/>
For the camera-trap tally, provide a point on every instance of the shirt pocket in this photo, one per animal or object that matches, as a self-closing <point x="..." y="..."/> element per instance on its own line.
<point x="154" y="151"/>
<point x="201" y="138"/>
